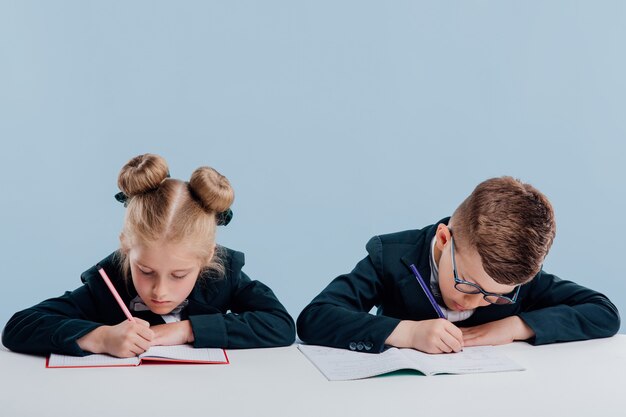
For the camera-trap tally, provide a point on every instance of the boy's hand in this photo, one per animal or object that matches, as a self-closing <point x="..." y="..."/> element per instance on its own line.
<point x="497" y="332"/>
<point x="177" y="333"/>
<point x="124" y="340"/>
<point x="430" y="336"/>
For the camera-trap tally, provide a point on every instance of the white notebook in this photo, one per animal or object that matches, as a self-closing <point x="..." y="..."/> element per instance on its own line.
<point x="343" y="365"/>
<point x="178" y="353"/>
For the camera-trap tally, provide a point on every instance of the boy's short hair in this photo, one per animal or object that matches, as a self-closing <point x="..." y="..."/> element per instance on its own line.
<point x="510" y="224"/>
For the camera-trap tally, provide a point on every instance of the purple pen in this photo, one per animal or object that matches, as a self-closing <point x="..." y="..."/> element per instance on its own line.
<point x="427" y="291"/>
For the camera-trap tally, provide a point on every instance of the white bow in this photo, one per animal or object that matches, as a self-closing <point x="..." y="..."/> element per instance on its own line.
<point x="137" y="304"/>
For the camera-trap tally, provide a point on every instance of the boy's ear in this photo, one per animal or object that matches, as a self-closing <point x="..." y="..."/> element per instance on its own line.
<point x="443" y="236"/>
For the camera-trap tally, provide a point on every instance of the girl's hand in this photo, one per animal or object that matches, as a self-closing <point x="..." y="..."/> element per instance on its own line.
<point x="124" y="340"/>
<point x="177" y="333"/>
<point x="497" y="332"/>
<point x="430" y="336"/>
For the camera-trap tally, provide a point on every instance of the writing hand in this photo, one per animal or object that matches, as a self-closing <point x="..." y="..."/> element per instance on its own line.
<point x="124" y="340"/>
<point x="430" y="336"/>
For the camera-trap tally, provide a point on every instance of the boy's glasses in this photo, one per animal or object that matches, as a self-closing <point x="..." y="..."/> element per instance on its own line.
<point x="471" y="288"/>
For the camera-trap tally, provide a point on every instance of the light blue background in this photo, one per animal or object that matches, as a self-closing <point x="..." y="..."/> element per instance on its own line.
<point x="334" y="121"/>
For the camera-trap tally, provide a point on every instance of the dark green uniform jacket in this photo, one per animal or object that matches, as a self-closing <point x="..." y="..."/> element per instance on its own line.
<point x="227" y="312"/>
<point x="556" y="310"/>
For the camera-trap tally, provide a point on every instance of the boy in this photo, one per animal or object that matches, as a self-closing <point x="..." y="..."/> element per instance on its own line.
<point x="483" y="267"/>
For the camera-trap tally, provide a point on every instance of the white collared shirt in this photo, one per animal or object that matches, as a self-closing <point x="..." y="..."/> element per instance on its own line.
<point x="450" y="315"/>
<point x="137" y="304"/>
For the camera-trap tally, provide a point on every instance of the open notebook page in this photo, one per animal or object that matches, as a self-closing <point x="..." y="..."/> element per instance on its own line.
<point x="471" y="360"/>
<point x="184" y="353"/>
<point x="66" y="361"/>
<point x="343" y="365"/>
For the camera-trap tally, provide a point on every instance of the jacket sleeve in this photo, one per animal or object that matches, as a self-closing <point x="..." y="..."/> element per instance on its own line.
<point x="256" y="319"/>
<point x="339" y="316"/>
<point x="54" y="325"/>
<point x="559" y="311"/>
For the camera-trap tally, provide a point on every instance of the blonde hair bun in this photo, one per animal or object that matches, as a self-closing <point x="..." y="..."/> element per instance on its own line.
<point x="142" y="174"/>
<point x="211" y="189"/>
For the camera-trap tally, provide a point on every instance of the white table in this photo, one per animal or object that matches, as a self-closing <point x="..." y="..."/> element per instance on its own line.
<point x="570" y="379"/>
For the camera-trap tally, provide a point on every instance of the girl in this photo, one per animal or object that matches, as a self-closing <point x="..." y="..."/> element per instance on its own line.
<point x="180" y="285"/>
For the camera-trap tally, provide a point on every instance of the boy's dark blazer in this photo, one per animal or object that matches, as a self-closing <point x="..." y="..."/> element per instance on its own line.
<point x="259" y="319"/>
<point x="556" y="310"/>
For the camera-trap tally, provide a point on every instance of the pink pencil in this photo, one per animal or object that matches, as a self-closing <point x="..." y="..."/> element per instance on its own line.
<point x="106" y="279"/>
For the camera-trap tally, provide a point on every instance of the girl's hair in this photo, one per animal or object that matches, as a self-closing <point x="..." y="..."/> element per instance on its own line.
<point x="160" y="208"/>
<point x="512" y="226"/>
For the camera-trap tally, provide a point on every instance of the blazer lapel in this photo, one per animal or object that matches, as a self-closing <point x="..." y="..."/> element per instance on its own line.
<point x="201" y="297"/>
<point x="417" y="303"/>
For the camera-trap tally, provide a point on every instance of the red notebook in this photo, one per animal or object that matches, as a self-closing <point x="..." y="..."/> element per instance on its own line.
<point x="156" y="354"/>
